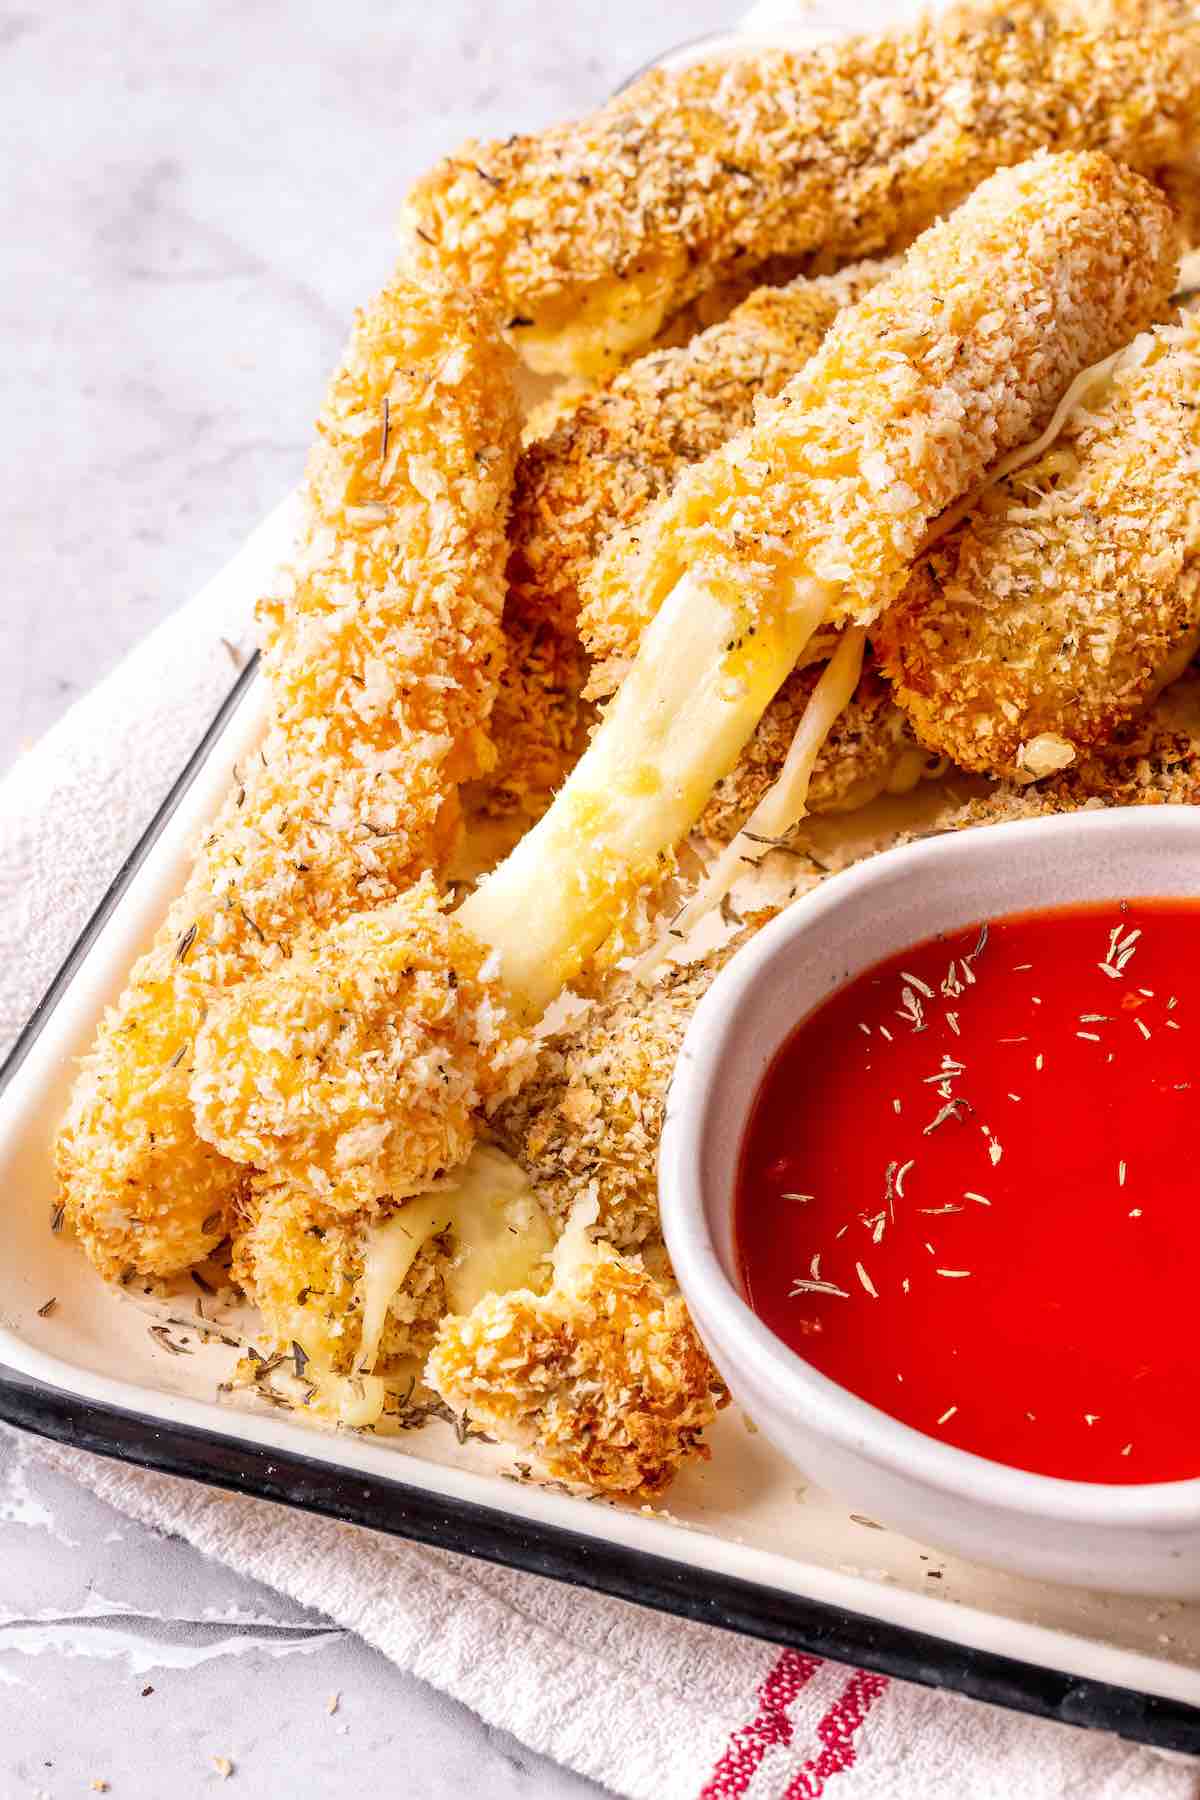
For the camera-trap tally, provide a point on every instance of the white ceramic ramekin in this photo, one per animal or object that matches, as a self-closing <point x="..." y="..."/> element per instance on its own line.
<point x="1135" y="1539"/>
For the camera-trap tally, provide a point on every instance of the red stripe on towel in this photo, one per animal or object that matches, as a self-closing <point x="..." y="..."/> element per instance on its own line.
<point x="836" y="1735"/>
<point x="749" y="1743"/>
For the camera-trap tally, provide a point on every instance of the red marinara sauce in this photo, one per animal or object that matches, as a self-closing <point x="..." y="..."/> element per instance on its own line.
<point x="968" y="1190"/>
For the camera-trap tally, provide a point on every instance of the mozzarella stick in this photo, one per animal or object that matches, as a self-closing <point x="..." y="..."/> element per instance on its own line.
<point x="738" y="514"/>
<point x="594" y="232"/>
<point x="621" y="448"/>
<point x="599" y="468"/>
<point x="603" y="1378"/>
<point x="1071" y="592"/>
<point x="380" y="666"/>
<point x="811" y="517"/>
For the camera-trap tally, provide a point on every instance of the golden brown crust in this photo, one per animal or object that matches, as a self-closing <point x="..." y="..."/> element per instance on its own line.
<point x="381" y="666"/>
<point x="1152" y="760"/>
<point x="592" y="233"/>
<point x="1053" y="610"/>
<point x="621" y="447"/>
<point x="352" y="1073"/>
<point x="587" y="1124"/>
<point x="604" y="1378"/>
<point x="540" y="720"/>
<point x="385" y="658"/>
<point x="959" y="355"/>
<point x="595" y="469"/>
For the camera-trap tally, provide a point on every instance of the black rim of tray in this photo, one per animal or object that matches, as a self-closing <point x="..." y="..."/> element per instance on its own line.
<point x="228" y="1461"/>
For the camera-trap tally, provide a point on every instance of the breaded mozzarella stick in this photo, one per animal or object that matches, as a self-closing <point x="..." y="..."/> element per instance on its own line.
<point x="380" y="667"/>
<point x="604" y="462"/>
<point x="744" y="514"/>
<point x="1061" y="604"/>
<point x="594" y="232"/>
<point x="621" y="448"/>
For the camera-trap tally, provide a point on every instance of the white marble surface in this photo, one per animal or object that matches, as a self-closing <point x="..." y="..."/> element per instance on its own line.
<point x="194" y="197"/>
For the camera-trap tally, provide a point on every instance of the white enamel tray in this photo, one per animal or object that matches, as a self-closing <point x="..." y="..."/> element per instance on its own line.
<point x="745" y="1543"/>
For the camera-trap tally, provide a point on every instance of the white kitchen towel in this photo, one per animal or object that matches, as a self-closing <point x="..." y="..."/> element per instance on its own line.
<point x="653" y="1707"/>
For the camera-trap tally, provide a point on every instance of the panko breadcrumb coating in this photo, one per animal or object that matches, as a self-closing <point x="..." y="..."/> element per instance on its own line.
<point x="1152" y="760"/>
<point x="384" y="659"/>
<point x="621" y="447"/>
<point x="1050" y="616"/>
<point x="381" y="666"/>
<point x="976" y="367"/>
<point x="586" y="1127"/>
<point x="303" y="1269"/>
<point x="595" y="471"/>
<point x="603" y="1378"/>
<point x="540" y="720"/>
<point x="353" y="1071"/>
<point x="592" y="233"/>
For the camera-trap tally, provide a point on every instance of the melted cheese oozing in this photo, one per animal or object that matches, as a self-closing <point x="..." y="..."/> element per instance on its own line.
<point x="784" y="803"/>
<point x="502" y="1240"/>
<point x="694" y="693"/>
<point x="388" y="1255"/>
